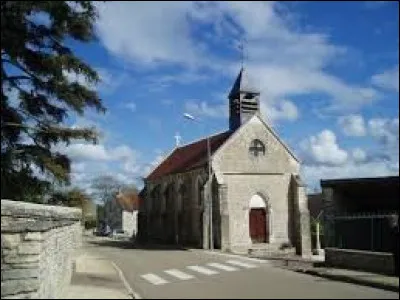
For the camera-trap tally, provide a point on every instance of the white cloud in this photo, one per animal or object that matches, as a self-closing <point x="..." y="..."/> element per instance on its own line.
<point x="202" y="108"/>
<point x="90" y="161"/>
<point x="148" y="32"/>
<point x="81" y="152"/>
<point x="323" y="149"/>
<point x="386" y="130"/>
<point x="156" y="161"/>
<point x="78" y="167"/>
<point x="122" y="152"/>
<point x="279" y="110"/>
<point x="180" y="78"/>
<point x="131" y="106"/>
<point x="109" y="80"/>
<point x="358" y="155"/>
<point x="359" y="162"/>
<point x="112" y="79"/>
<point x="280" y="81"/>
<point x="285" y="59"/>
<point x="78" y="78"/>
<point x="352" y="125"/>
<point x="312" y="174"/>
<point x="388" y="79"/>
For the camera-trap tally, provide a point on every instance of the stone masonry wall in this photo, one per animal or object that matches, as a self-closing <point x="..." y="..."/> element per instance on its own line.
<point x="37" y="247"/>
<point x="275" y="190"/>
<point x="379" y="262"/>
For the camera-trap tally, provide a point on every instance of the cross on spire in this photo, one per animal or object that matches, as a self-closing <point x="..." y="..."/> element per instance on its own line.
<point x="178" y="139"/>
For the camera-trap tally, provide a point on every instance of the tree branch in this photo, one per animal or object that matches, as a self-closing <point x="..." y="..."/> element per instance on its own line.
<point x="13" y="78"/>
<point x="22" y="68"/>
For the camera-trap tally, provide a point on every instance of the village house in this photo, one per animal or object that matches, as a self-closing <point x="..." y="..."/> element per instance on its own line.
<point x="120" y="214"/>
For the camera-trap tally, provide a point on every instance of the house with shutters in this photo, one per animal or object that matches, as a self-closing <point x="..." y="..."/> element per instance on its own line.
<point x="252" y="199"/>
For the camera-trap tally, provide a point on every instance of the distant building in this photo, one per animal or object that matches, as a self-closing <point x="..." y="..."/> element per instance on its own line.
<point x="121" y="212"/>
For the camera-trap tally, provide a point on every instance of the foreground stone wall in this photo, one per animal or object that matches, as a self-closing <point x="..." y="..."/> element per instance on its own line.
<point x="377" y="262"/>
<point x="37" y="248"/>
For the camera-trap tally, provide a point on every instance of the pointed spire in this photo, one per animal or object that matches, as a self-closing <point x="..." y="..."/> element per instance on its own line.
<point x="242" y="85"/>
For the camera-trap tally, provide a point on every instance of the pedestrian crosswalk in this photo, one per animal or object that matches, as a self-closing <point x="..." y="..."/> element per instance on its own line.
<point x="202" y="270"/>
<point x="154" y="279"/>
<point x="179" y="274"/>
<point x="222" y="267"/>
<point x="190" y="272"/>
<point x="241" y="264"/>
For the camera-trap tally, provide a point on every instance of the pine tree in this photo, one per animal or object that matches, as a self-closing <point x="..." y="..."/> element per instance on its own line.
<point x="38" y="94"/>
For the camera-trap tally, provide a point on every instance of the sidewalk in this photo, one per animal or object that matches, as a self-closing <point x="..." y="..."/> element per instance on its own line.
<point x="314" y="266"/>
<point x="380" y="281"/>
<point x="95" y="278"/>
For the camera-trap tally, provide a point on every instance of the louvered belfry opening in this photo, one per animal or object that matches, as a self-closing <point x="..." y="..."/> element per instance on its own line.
<point x="244" y="101"/>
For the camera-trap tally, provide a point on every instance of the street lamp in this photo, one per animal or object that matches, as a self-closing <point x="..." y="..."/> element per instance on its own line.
<point x="211" y="235"/>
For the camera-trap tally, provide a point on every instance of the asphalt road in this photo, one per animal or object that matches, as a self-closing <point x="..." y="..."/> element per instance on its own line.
<point x="160" y="272"/>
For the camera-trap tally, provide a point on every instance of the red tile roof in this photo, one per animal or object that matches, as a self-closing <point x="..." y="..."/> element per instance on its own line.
<point x="128" y="201"/>
<point x="189" y="156"/>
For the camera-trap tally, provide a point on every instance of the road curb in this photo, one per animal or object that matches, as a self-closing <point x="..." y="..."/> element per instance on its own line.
<point x="131" y="292"/>
<point x="349" y="279"/>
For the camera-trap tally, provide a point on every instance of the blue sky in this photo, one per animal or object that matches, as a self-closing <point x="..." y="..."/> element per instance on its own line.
<point x="328" y="74"/>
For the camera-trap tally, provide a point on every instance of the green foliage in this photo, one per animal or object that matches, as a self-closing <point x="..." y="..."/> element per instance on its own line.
<point x="314" y="227"/>
<point x="38" y="94"/>
<point x="74" y="197"/>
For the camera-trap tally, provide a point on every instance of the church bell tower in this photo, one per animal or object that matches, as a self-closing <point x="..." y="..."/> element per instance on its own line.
<point x="244" y="101"/>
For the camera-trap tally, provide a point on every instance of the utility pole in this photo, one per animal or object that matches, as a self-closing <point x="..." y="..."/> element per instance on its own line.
<point x="209" y="190"/>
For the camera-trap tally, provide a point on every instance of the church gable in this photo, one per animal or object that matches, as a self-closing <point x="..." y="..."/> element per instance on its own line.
<point x="255" y="148"/>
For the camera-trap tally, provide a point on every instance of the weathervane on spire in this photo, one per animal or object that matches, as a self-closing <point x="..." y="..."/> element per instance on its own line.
<point x="242" y="49"/>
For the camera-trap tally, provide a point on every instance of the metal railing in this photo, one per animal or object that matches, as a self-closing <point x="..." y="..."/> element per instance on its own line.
<point x="370" y="232"/>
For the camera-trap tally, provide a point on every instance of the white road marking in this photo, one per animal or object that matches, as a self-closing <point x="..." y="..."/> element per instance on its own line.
<point x="222" y="267"/>
<point x="154" y="279"/>
<point x="202" y="270"/>
<point x="241" y="264"/>
<point x="179" y="274"/>
<point x="261" y="261"/>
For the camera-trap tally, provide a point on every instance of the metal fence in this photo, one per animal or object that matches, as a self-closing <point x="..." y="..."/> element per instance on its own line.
<point x="370" y="232"/>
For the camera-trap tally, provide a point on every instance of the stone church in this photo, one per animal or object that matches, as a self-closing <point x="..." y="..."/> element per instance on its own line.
<point x="252" y="199"/>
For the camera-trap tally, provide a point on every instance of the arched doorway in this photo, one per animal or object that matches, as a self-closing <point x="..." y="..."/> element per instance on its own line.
<point x="259" y="225"/>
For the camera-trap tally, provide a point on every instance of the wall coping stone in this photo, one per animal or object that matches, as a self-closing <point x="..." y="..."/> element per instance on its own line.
<point x="34" y="226"/>
<point x="20" y="209"/>
<point x="355" y="251"/>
